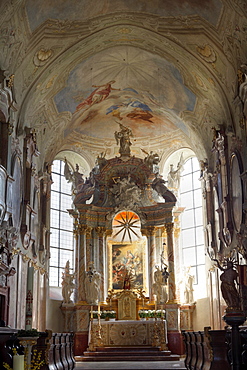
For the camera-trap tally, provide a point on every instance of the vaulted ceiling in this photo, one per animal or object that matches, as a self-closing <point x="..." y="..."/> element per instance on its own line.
<point x="166" y="69"/>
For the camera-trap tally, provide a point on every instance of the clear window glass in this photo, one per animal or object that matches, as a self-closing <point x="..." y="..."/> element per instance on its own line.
<point x="192" y="237"/>
<point x="61" y="225"/>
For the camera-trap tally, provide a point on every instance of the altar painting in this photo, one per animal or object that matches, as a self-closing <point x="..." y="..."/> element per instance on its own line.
<point x="127" y="266"/>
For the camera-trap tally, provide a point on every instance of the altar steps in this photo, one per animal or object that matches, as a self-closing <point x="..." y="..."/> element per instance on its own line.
<point x="109" y="354"/>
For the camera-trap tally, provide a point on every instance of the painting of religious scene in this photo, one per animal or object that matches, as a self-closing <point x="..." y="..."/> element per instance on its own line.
<point x="127" y="266"/>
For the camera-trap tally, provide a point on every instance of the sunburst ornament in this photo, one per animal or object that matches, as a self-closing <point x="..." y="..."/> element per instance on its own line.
<point x="126" y="227"/>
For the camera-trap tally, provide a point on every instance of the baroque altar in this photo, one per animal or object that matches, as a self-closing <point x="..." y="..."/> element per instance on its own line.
<point x="123" y="223"/>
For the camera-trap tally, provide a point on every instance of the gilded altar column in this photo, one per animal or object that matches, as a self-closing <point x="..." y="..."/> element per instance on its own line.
<point x="101" y="259"/>
<point x="150" y="232"/>
<point x="170" y="255"/>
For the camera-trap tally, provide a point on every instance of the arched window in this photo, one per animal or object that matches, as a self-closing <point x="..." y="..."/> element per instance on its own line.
<point x="61" y="225"/>
<point x="192" y="236"/>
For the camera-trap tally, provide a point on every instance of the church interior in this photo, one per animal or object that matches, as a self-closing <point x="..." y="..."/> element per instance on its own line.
<point x="123" y="177"/>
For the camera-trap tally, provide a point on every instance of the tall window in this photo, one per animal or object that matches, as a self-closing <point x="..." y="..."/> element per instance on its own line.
<point x="192" y="223"/>
<point x="61" y="225"/>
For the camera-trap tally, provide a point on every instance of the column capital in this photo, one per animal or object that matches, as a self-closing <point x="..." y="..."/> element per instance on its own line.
<point x="88" y="231"/>
<point x="169" y="227"/>
<point x="82" y="229"/>
<point x="100" y="230"/>
<point x="149" y="231"/>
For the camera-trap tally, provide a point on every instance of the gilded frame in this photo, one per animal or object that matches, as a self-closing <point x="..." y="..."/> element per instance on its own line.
<point x="137" y="262"/>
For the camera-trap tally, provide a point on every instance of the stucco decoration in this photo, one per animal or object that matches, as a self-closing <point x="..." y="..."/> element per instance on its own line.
<point x="39" y="11"/>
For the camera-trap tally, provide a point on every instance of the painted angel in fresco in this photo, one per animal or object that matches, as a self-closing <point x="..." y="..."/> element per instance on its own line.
<point x="98" y="95"/>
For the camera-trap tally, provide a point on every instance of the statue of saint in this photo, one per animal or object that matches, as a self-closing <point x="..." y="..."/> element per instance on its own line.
<point x="67" y="284"/>
<point x="188" y="289"/>
<point x="160" y="285"/>
<point x="174" y="175"/>
<point x="228" y="286"/>
<point x="123" y="138"/>
<point x="92" y="285"/>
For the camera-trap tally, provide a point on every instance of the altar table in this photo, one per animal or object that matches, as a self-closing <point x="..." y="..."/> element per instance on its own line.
<point x="129" y="332"/>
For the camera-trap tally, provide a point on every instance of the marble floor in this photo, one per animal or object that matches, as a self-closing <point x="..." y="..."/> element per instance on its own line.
<point x="168" y="365"/>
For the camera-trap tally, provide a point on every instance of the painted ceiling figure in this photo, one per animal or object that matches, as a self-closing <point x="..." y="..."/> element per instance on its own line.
<point x="123" y="138"/>
<point x="98" y="95"/>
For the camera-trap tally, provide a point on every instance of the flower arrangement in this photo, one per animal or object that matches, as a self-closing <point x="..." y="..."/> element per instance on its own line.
<point x="36" y="362"/>
<point x="28" y="333"/>
<point x="105" y="314"/>
<point x="151" y="313"/>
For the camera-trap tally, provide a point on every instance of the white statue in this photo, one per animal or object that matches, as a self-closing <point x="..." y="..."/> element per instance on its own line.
<point x="188" y="289"/>
<point x="75" y="177"/>
<point x="174" y="175"/>
<point x="92" y="285"/>
<point x="67" y="284"/>
<point x="160" y="285"/>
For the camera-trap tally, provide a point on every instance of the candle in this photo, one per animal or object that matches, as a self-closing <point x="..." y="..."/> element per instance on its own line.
<point x="110" y="303"/>
<point x="143" y="303"/>
<point x="99" y="309"/>
<point x="155" y="304"/>
<point x="91" y="312"/>
<point x="18" y="362"/>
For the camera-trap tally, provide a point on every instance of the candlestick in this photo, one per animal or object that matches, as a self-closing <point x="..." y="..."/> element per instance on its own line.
<point x="91" y="312"/>
<point x="18" y="362"/>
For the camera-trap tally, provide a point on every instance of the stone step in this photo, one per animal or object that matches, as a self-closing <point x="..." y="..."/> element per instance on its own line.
<point x="143" y="353"/>
<point x="126" y="358"/>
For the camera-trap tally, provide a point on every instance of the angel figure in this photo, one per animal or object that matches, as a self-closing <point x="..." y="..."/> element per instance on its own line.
<point x="174" y="175"/>
<point x="228" y="285"/>
<point x="75" y="177"/>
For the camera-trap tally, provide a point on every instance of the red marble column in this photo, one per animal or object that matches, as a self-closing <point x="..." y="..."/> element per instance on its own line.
<point x="101" y="259"/>
<point x="150" y="233"/>
<point x="170" y="254"/>
<point x="81" y="265"/>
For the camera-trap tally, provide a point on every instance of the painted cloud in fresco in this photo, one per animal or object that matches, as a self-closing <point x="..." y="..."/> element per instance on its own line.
<point x="115" y="85"/>
<point x="39" y="11"/>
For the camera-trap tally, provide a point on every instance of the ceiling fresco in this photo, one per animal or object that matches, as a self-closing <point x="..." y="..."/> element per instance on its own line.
<point x="40" y="10"/>
<point x="166" y="69"/>
<point x="127" y="85"/>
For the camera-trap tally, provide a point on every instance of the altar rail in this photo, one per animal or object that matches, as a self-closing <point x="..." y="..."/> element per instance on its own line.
<point x="206" y="350"/>
<point x="55" y="348"/>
